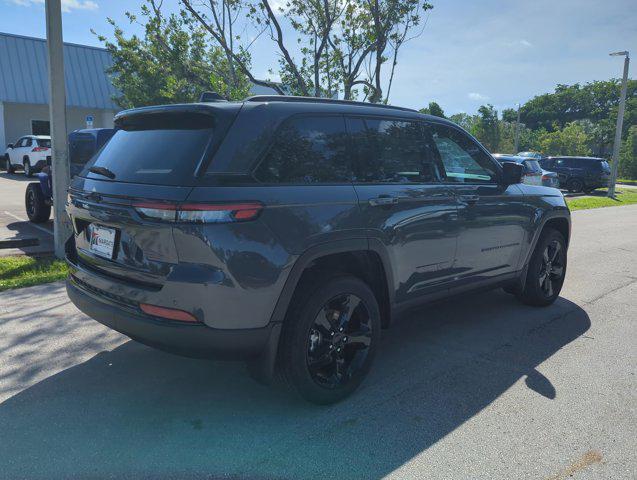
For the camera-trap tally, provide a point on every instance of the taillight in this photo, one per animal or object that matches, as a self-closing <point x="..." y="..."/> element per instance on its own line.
<point x="199" y="212"/>
<point x="169" y="313"/>
<point x="40" y="149"/>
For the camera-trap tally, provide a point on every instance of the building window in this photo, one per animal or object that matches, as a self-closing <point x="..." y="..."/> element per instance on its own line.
<point x="40" y="127"/>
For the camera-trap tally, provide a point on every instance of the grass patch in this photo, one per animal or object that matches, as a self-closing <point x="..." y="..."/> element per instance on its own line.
<point x="627" y="181"/>
<point x="624" y="196"/>
<point x="17" y="272"/>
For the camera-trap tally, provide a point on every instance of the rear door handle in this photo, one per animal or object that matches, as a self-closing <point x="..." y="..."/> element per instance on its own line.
<point x="382" y="200"/>
<point x="470" y="199"/>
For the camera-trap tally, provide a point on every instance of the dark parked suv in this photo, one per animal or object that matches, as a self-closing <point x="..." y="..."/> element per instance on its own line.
<point x="288" y="231"/>
<point x="579" y="174"/>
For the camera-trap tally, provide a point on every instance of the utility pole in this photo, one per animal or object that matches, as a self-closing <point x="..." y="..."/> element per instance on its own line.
<point x="620" y="123"/>
<point x="517" y="132"/>
<point x="57" y="116"/>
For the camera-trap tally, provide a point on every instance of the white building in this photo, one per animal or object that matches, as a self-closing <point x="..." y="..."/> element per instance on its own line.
<point x="24" y="92"/>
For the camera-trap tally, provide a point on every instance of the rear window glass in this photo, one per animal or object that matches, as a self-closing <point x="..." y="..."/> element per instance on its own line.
<point x="44" y="143"/>
<point x="602" y="165"/>
<point x="160" y="149"/>
<point x="81" y="149"/>
<point x="532" y="166"/>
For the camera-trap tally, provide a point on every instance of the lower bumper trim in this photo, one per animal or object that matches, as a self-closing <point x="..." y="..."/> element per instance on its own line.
<point x="199" y="341"/>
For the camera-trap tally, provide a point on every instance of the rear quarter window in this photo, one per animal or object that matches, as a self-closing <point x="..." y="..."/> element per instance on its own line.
<point x="160" y="149"/>
<point x="307" y="149"/>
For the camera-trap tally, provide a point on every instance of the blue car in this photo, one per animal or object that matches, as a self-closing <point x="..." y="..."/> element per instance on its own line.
<point x="83" y="144"/>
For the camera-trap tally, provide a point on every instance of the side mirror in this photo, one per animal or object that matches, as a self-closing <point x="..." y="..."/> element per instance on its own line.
<point x="9" y="145"/>
<point x="512" y="173"/>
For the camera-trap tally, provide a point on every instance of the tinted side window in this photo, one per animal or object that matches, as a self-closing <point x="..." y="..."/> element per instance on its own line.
<point x="28" y="142"/>
<point x="391" y="151"/>
<point x="568" y="163"/>
<point x="463" y="159"/>
<point x="308" y="150"/>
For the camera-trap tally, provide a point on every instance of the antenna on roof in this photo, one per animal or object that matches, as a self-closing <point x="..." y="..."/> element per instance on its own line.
<point x="211" y="97"/>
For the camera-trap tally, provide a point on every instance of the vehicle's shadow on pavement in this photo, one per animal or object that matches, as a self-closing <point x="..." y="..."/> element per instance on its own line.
<point x="138" y="413"/>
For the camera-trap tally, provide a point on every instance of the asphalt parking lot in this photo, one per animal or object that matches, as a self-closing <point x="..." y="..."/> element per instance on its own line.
<point x="478" y="388"/>
<point x="13" y="218"/>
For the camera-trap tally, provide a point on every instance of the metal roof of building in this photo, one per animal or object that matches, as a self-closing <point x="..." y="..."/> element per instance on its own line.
<point x="24" y="73"/>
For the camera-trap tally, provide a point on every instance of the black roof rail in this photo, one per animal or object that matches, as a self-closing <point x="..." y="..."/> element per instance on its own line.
<point x="292" y="99"/>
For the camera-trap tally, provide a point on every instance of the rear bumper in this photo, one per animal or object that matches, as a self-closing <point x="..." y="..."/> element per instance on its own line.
<point x="183" y="339"/>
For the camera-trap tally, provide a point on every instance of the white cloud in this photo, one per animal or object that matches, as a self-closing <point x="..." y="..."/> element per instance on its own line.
<point x="67" y="5"/>
<point x="525" y="43"/>
<point x="477" y="96"/>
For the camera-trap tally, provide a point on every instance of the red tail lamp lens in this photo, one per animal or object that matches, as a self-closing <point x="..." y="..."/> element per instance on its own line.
<point x="200" y="212"/>
<point x="169" y="313"/>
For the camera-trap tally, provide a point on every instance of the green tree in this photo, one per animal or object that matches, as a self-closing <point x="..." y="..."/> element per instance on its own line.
<point x="570" y="140"/>
<point x="487" y="128"/>
<point x="433" y="109"/>
<point x="595" y="102"/>
<point x="464" y="120"/>
<point x="628" y="157"/>
<point x="173" y="62"/>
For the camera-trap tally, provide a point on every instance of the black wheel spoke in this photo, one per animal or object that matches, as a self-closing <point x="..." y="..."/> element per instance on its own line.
<point x="324" y="321"/>
<point x="350" y="307"/>
<point x="556" y="251"/>
<point x="362" y="336"/>
<point x="548" y="286"/>
<point x="557" y="271"/>
<point x="321" y="360"/>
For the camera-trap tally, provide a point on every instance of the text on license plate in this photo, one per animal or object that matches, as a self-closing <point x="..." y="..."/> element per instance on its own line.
<point x="102" y="240"/>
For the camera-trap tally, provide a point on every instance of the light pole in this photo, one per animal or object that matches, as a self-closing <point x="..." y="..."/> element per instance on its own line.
<point x="57" y="116"/>
<point x="620" y="122"/>
<point x="517" y="132"/>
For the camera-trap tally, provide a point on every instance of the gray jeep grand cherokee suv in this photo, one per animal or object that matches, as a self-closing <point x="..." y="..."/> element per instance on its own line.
<point x="287" y="231"/>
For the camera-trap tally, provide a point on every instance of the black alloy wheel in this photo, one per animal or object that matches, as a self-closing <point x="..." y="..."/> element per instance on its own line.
<point x="329" y="338"/>
<point x="339" y="340"/>
<point x="546" y="270"/>
<point x="575" y="185"/>
<point x="552" y="268"/>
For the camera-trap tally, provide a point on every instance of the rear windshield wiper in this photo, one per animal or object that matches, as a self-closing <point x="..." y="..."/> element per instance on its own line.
<point x="102" y="171"/>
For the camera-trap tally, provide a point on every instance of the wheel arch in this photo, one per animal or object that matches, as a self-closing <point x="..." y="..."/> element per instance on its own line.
<point x="556" y="219"/>
<point x="318" y="259"/>
<point x="357" y="257"/>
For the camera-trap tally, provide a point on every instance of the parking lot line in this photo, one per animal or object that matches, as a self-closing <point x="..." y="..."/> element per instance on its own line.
<point x="32" y="224"/>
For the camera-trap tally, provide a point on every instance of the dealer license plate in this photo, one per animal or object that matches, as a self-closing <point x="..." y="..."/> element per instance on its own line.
<point x="102" y="241"/>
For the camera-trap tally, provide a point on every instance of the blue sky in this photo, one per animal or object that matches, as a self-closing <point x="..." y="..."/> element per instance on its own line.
<point x="492" y="51"/>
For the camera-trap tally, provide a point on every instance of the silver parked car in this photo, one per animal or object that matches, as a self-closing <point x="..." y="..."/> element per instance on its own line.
<point x="534" y="174"/>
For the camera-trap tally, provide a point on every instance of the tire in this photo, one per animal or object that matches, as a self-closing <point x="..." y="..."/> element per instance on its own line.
<point x="542" y="288"/>
<point x="37" y="209"/>
<point x="27" y="168"/>
<point x="575" y="185"/>
<point x="10" y="167"/>
<point x="318" y="357"/>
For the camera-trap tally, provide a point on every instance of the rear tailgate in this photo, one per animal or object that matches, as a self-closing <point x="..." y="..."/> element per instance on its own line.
<point x="152" y="159"/>
<point x="142" y="251"/>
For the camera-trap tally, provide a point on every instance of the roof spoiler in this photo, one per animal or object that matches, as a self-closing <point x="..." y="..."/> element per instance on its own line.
<point x="206" y="97"/>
